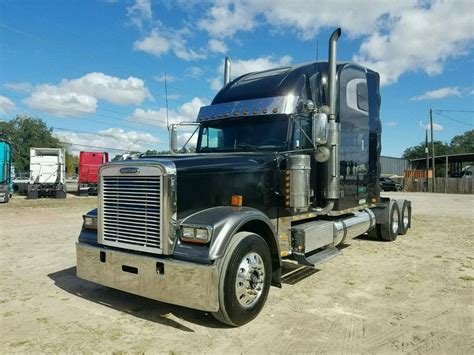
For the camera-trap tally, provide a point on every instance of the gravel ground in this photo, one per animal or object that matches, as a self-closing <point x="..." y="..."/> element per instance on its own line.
<point x="414" y="295"/>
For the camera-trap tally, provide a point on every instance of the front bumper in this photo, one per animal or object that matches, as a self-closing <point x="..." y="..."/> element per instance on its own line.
<point x="182" y="283"/>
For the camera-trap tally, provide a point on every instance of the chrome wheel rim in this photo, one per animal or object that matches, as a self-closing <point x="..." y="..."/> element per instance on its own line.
<point x="249" y="280"/>
<point x="405" y="222"/>
<point x="395" y="223"/>
<point x="405" y="219"/>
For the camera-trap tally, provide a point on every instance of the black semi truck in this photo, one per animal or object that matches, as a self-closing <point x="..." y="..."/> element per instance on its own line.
<point x="286" y="167"/>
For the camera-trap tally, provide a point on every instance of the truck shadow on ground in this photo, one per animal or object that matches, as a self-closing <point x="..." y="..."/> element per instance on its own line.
<point x="150" y="310"/>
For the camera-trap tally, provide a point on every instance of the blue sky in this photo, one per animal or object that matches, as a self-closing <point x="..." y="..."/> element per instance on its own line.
<point x="94" y="69"/>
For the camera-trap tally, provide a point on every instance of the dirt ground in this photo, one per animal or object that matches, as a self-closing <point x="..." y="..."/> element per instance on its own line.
<point x="414" y="295"/>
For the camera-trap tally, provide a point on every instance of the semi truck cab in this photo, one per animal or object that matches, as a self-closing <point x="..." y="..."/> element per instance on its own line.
<point x="287" y="166"/>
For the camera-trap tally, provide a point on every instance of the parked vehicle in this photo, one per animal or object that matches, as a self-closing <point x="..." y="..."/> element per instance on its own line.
<point x="89" y="164"/>
<point x="387" y="184"/>
<point x="287" y="167"/>
<point x="47" y="173"/>
<point x="6" y="186"/>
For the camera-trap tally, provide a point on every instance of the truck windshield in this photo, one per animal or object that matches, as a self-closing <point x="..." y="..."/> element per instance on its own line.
<point x="245" y="134"/>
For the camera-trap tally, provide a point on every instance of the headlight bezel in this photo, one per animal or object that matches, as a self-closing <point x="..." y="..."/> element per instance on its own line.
<point x="89" y="222"/>
<point x="201" y="234"/>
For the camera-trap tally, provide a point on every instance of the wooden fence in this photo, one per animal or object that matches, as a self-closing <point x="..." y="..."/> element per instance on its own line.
<point x="443" y="185"/>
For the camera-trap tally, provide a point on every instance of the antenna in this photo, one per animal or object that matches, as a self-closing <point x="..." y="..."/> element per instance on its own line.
<point x="317" y="49"/>
<point x="166" y="100"/>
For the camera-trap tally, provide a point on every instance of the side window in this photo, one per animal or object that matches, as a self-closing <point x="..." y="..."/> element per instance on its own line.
<point x="212" y="137"/>
<point x="357" y="95"/>
<point x="362" y="97"/>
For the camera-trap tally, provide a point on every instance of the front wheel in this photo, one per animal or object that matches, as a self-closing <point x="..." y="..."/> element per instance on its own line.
<point x="245" y="276"/>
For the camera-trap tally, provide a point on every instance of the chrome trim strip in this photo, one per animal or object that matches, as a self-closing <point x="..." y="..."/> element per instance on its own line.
<point x="171" y="281"/>
<point x="264" y="106"/>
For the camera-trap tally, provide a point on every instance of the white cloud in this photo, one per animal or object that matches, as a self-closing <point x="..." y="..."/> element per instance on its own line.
<point x="160" y="42"/>
<point x="21" y="87"/>
<point x="79" y="97"/>
<point x="154" y="44"/>
<point x="140" y="12"/>
<point x="225" y="18"/>
<point x="194" y="72"/>
<point x="115" y="138"/>
<point x="438" y="94"/>
<point x="217" y="46"/>
<point x="419" y="38"/>
<point x="398" y="36"/>
<point x="6" y="105"/>
<point x="187" y="112"/>
<point x="242" y="66"/>
<point x="392" y="124"/>
<point x="426" y="126"/>
<point x="161" y="78"/>
<point x="306" y="17"/>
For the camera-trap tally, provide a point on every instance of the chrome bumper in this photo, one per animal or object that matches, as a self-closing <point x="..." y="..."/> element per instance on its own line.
<point x="171" y="281"/>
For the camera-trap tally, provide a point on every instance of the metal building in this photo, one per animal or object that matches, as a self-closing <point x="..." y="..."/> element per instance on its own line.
<point x="393" y="166"/>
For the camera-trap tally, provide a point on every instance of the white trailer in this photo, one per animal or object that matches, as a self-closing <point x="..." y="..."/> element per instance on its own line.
<point x="47" y="173"/>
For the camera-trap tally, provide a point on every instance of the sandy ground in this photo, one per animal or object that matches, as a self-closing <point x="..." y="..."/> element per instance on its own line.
<point x="414" y="295"/>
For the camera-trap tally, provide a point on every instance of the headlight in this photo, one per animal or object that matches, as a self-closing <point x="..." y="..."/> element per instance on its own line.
<point x="90" y="222"/>
<point x="196" y="234"/>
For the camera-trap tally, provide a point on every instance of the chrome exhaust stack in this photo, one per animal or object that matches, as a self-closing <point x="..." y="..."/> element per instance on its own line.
<point x="227" y="70"/>
<point x="332" y="190"/>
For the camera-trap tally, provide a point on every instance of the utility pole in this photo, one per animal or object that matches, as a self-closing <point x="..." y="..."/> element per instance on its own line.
<point x="166" y="100"/>
<point x="427" y="152"/>
<point x="432" y="153"/>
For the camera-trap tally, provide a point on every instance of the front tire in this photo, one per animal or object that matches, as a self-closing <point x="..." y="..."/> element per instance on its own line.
<point x="245" y="275"/>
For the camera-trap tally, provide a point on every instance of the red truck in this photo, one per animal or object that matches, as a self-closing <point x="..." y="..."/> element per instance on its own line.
<point x="89" y="164"/>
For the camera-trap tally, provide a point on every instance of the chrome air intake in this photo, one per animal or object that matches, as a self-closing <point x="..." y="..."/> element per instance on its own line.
<point x="298" y="169"/>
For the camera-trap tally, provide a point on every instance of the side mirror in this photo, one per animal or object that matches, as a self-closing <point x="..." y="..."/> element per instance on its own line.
<point x="320" y="121"/>
<point x="173" y="138"/>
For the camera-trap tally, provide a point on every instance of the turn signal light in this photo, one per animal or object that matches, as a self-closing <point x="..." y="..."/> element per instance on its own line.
<point x="236" y="200"/>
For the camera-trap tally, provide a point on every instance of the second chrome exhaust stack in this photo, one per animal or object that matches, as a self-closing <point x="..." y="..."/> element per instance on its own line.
<point x="227" y="70"/>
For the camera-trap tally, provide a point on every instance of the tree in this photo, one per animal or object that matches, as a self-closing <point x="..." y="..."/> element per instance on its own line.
<point x="25" y="132"/>
<point x="419" y="150"/>
<point x="72" y="164"/>
<point x="463" y="143"/>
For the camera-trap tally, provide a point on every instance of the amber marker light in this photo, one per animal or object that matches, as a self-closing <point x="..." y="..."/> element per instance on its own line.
<point x="236" y="200"/>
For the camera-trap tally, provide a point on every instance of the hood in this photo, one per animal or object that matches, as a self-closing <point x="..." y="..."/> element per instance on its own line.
<point x="210" y="180"/>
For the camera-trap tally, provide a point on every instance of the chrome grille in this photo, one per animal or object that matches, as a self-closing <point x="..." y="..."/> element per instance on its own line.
<point x="131" y="212"/>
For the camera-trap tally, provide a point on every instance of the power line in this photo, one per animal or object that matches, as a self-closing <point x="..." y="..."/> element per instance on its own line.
<point x="155" y="127"/>
<point x="453" y="119"/>
<point x="462" y="111"/>
<point x="93" y="146"/>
